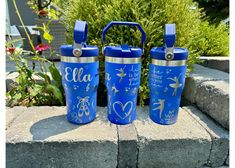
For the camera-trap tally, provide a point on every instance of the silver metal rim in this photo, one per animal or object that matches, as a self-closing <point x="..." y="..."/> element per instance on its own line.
<point x="169" y="63"/>
<point x="79" y="59"/>
<point x="122" y="60"/>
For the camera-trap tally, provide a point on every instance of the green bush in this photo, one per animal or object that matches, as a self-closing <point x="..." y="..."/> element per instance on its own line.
<point x="27" y="90"/>
<point x="212" y="40"/>
<point x="152" y="15"/>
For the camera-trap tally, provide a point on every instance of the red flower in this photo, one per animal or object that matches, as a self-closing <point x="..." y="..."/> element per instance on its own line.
<point x="11" y="50"/>
<point x="41" y="47"/>
<point x="43" y="13"/>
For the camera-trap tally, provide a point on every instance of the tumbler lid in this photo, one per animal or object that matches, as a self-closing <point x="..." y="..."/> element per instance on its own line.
<point x="169" y="52"/>
<point x="124" y="51"/>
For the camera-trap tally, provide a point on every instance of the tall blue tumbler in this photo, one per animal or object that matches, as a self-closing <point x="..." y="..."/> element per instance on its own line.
<point x="80" y="76"/>
<point x="166" y="78"/>
<point x="122" y="77"/>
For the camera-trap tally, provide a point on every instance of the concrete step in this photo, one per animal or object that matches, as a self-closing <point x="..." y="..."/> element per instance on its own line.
<point x="219" y="136"/>
<point x="42" y="137"/>
<point x="219" y="62"/>
<point x="208" y="89"/>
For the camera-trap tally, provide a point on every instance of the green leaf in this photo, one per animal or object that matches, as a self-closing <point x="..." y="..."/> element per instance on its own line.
<point x="44" y="76"/>
<point x="17" y="96"/>
<point x="29" y="72"/>
<point x="8" y="94"/>
<point x="12" y="91"/>
<point x="21" y="79"/>
<point x="36" y="89"/>
<point x="48" y="37"/>
<point x="55" y="73"/>
<point x="40" y="28"/>
<point x="25" y="62"/>
<point x="56" y="92"/>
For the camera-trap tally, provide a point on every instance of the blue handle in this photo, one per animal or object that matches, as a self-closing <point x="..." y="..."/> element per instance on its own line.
<point x="169" y="35"/>
<point x="80" y="32"/>
<point x="127" y="24"/>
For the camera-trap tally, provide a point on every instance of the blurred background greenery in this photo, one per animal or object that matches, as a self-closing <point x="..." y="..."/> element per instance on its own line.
<point x="201" y="27"/>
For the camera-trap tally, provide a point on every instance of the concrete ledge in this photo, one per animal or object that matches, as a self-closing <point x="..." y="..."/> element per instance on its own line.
<point x="42" y="137"/>
<point x="127" y="146"/>
<point x="213" y="98"/>
<point x="197" y="76"/>
<point x="13" y="113"/>
<point x="209" y="90"/>
<point x="219" y="136"/>
<point x="220" y="63"/>
<point x="184" y="144"/>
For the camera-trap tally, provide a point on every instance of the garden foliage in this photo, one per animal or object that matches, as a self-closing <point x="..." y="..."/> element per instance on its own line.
<point x="27" y="91"/>
<point x="193" y="33"/>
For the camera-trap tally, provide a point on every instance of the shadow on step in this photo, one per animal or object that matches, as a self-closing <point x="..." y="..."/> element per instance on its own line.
<point x="51" y="126"/>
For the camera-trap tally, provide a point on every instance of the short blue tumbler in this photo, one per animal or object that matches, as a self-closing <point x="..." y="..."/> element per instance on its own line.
<point x="80" y="76"/>
<point x="166" y="79"/>
<point x="122" y="77"/>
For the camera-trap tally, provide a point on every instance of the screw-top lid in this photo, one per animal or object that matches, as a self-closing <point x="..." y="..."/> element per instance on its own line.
<point x="79" y="49"/>
<point x="123" y="51"/>
<point x="169" y="52"/>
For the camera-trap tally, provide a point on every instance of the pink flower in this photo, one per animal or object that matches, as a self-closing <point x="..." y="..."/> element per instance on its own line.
<point x="41" y="47"/>
<point x="11" y="50"/>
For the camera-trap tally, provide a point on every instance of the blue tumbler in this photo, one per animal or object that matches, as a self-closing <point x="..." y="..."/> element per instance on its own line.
<point x="122" y="77"/>
<point x="166" y="78"/>
<point x="80" y="76"/>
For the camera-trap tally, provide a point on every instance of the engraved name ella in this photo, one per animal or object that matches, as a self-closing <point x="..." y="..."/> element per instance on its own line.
<point x="76" y="75"/>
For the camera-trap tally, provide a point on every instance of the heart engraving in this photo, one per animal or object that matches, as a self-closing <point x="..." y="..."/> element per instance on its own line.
<point x="124" y="113"/>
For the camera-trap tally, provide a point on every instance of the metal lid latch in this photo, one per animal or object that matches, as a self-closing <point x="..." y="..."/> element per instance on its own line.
<point x="79" y="35"/>
<point x="169" y="41"/>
